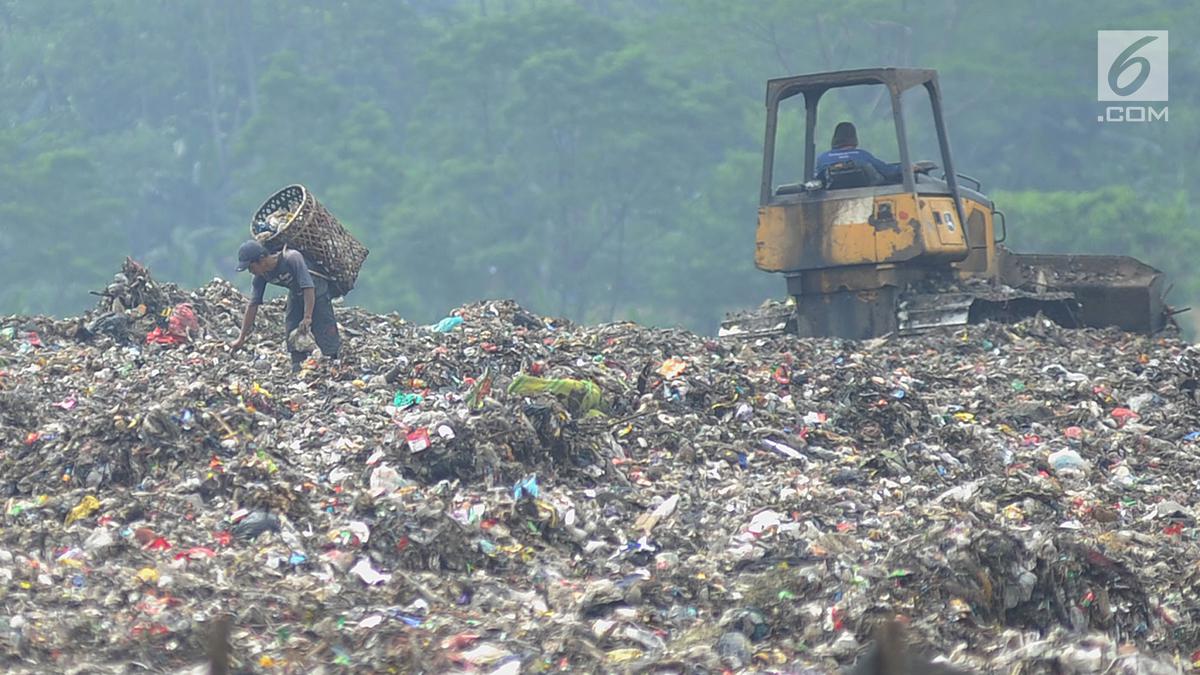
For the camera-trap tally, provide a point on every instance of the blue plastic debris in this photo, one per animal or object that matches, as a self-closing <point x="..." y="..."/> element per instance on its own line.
<point x="527" y="486"/>
<point x="448" y="324"/>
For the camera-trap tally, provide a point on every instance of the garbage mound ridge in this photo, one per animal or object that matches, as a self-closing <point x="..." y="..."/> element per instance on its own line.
<point x="510" y="493"/>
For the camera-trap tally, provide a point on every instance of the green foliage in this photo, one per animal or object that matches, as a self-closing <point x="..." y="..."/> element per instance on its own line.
<point x="594" y="159"/>
<point x="60" y="217"/>
<point x="1114" y="220"/>
<point x="547" y="156"/>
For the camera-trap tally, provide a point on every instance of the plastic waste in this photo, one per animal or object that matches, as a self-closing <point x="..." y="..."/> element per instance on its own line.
<point x="255" y="524"/>
<point x="581" y="396"/>
<point x="368" y="574"/>
<point x="527" y="486"/>
<point x="385" y="479"/>
<point x="404" y="399"/>
<point x="418" y="440"/>
<point x="734" y="649"/>
<point x="86" y="507"/>
<point x="1068" y="462"/>
<point x="750" y="621"/>
<point x="447" y="324"/>
<point x="301" y="340"/>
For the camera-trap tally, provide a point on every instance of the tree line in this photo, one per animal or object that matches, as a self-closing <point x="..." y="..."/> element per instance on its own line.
<point x="593" y="159"/>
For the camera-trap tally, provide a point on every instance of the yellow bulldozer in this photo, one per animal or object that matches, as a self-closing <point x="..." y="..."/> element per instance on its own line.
<point x="866" y="257"/>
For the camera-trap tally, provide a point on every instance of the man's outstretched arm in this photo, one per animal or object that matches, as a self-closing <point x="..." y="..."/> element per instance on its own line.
<point x="247" y="326"/>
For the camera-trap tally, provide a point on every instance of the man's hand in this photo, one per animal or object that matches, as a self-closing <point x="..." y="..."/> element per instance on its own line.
<point x="305" y="324"/>
<point x="247" y="326"/>
<point x="924" y="166"/>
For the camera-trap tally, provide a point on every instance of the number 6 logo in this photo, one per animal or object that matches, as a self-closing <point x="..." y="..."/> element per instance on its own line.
<point x="1126" y="60"/>
<point x="1131" y="65"/>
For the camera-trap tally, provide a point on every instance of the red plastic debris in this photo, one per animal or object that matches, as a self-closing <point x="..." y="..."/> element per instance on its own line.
<point x="1123" y="415"/>
<point x="196" y="553"/>
<point x="159" y="544"/>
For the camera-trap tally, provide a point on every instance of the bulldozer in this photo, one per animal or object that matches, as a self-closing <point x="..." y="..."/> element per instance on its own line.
<point x="865" y="258"/>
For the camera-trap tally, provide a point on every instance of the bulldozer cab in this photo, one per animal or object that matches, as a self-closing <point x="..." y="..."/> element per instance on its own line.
<point x="906" y="217"/>
<point x="896" y="81"/>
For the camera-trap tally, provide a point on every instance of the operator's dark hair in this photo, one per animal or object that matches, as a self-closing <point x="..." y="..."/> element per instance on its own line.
<point x="844" y="134"/>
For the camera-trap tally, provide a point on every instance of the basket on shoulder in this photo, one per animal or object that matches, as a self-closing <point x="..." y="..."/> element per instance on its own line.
<point x="293" y="218"/>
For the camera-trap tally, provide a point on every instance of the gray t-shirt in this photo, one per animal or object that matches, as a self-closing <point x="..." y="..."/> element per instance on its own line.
<point x="291" y="273"/>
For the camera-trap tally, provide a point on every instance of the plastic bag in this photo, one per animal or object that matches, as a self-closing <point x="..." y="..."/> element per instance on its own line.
<point x="301" y="341"/>
<point x="581" y="396"/>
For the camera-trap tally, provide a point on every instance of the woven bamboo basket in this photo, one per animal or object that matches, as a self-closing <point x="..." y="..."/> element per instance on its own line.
<point x="310" y="228"/>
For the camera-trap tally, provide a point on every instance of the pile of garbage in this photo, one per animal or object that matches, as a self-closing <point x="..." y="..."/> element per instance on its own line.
<point x="506" y="493"/>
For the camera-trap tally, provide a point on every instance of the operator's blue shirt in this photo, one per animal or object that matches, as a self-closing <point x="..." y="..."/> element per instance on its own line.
<point x="890" y="172"/>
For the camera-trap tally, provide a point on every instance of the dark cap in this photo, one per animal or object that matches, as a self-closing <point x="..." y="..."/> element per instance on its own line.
<point x="250" y="251"/>
<point x="844" y="134"/>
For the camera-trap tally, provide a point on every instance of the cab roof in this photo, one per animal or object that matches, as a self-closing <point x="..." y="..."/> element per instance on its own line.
<point x="897" y="79"/>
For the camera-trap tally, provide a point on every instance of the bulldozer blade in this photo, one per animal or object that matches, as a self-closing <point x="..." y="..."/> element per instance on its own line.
<point x="1111" y="290"/>
<point x="919" y="312"/>
<point x="1009" y="305"/>
<point x="769" y="320"/>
